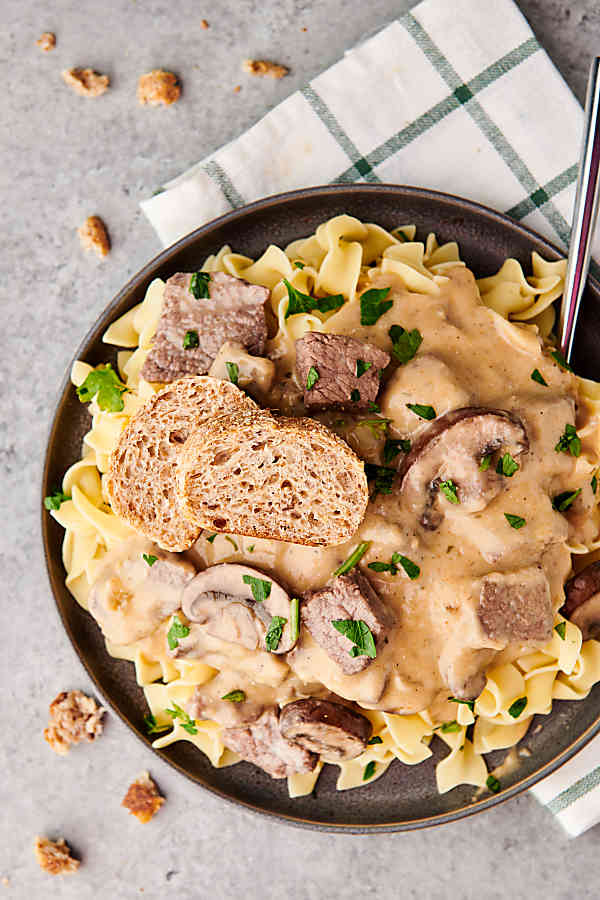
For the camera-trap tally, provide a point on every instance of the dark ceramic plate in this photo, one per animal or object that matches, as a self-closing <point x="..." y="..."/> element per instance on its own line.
<point x="405" y="797"/>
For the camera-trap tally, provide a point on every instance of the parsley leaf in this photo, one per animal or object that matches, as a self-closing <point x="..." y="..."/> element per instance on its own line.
<point x="514" y="521"/>
<point x="424" y="412"/>
<point x="516" y="708"/>
<point x="298" y="264"/>
<point x="233" y="372"/>
<point x="273" y="635"/>
<point x="507" y="465"/>
<point x="362" y="367"/>
<point x="485" y="462"/>
<point x="594" y="484"/>
<point x="211" y="538"/>
<point x="411" y="568"/>
<point x="188" y="724"/>
<point x="493" y="784"/>
<point x="294" y="619"/>
<point x="152" y="727"/>
<point x="199" y="285"/>
<point x="383" y="567"/>
<point x="369" y="770"/>
<point x="450" y="727"/>
<point x="104" y="384"/>
<point x="236" y="696"/>
<point x="354" y="558"/>
<point x="377" y="426"/>
<point x="375" y="740"/>
<point x="373" y="407"/>
<point x="563" y="501"/>
<point x="355" y="396"/>
<point x="54" y="500"/>
<point x="392" y="448"/>
<point x="149" y="558"/>
<point x="558" y="356"/>
<point x="260" y="589"/>
<point x="251" y="548"/>
<point x="373" y="305"/>
<point x="304" y="303"/>
<point x="469" y="703"/>
<point x="191" y="340"/>
<point x="402" y="235"/>
<point x="383" y="476"/>
<point x="404" y="343"/>
<point x="448" y="489"/>
<point x="176" y="631"/>
<point x="359" y="633"/>
<point x="569" y="441"/>
<point x="312" y="378"/>
<point x="536" y="375"/>
<point x="561" y="630"/>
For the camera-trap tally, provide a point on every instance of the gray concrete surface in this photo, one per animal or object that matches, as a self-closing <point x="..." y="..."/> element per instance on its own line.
<point x="63" y="158"/>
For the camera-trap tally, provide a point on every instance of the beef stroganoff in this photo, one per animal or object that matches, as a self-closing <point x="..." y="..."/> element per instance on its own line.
<point x="439" y="609"/>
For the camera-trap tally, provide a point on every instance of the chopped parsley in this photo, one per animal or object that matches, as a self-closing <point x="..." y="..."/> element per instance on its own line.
<point x="260" y="589"/>
<point x="176" y="631"/>
<point x="377" y="426"/>
<point x="294" y="619"/>
<point x="423" y="411"/>
<point x="492" y="784"/>
<point x="373" y="407"/>
<point x="392" y="448"/>
<point x="563" y="501"/>
<point x="561" y="630"/>
<point x="450" y="727"/>
<point x="354" y="558"/>
<point x="355" y="396"/>
<point x="149" y="559"/>
<point x="304" y="303"/>
<point x="104" y="384"/>
<point x="402" y="235"/>
<point x="274" y="633"/>
<point x="199" y="285"/>
<point x="233" y="372"/>
<point x="373" y="305"/>
<point x="404" y="343"/>
<point x="312" y="378"/>
<point x="594" y="484"/>
<point x="514" y="521"/>
<point x="516" y="708"/>
<point x="412" y="569"/>
<point x="53" y="501"/>
<point x="469" y="703"/>
<point x="369" y="770"/>
<point x="211" y="537"/>
<point x="506" y="465"/>
<point x="375" y="740"/>
<point x="536" y="375"/>
<point x="485" y="462"/>
<point x="236" y="696"/>
<point x="188" y="724"/>
<point x="191" y="340"/>
<point x="251" y="548"/>
<point x="298" y="264"/>
<point x="359" y="633"/>
<point x="449" y="490"/>
<point x="362" y="367"/>
<point x="558" y="356"/>
<point x="152" y="726"/>
<point x="569" y="441"/>
<point x="383" y="476"/>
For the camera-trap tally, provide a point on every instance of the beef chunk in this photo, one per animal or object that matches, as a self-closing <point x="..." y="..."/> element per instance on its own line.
<point x="516" y="606"/>
<point x="345" y="597"/>
<point x="262" y="743"/>
<point x="233" y="311"/>
<point x="337" y="360"/>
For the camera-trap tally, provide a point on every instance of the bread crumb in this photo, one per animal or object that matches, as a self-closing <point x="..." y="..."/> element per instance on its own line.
<point x="237" y="89"/>
<point x="47" y="41"/>
<point x="86" y="82"/>
<point x="305" y="29"/>
<point x="142" y="798"/>
<point x="6" y="881"/>
<point x="73" y="718"/>
<point x="264" y="67"/>
<point x="204" y="24"/>
<point x="94" y="236"/>
<point x="158" y="87"/>
<point x="55" y="856"/>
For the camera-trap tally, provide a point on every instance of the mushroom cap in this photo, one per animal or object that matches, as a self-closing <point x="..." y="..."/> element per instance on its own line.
<point x="452" y="449"/>
<point x="582" y="603"/>
<point x="220" y="599"/>
<point x="332" y="730"/>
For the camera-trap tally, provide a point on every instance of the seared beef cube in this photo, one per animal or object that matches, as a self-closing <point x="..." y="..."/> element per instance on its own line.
<point x="345" y="597"/>
<point x="516" y="606"/>
<point x="338" y="371"/>
<point x="262" y="743"/>
<point x="191" y="331"/>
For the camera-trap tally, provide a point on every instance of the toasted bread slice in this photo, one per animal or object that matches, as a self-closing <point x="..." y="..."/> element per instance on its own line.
<point x="285" y="479"/>
<point x="141" y="476"/>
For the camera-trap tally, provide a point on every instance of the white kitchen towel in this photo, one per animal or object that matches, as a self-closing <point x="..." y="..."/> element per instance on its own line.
<point x="457" y="96"/>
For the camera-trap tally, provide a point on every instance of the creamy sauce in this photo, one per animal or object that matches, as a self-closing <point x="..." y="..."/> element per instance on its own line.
<point x="470" y="356"/>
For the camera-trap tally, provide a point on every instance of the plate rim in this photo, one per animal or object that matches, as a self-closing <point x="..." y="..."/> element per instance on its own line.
<point x="100" y="324"/>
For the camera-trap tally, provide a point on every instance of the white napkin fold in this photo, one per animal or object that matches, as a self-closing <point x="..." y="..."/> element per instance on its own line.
<point x="455" y="96"/>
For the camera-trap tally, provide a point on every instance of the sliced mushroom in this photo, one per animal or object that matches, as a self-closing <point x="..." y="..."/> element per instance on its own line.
<point x="219" y="599"/>
<point x="330" y="729"/>
<point x="582" y="604"/>
<point x="453" y="448"/>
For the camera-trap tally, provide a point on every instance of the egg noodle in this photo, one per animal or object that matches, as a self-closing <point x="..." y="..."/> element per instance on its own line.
<point x="337" y="259"/>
